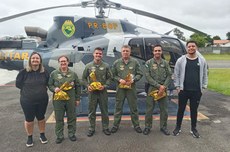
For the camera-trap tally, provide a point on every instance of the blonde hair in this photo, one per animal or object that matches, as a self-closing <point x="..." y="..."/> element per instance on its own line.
<point x="29" y="66"/>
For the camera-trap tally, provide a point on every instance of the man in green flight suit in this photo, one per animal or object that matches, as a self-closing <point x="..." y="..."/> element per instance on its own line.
<point x="158" y="75"/>
<point x="97" y="77"/>
<point x="126" y="72"/>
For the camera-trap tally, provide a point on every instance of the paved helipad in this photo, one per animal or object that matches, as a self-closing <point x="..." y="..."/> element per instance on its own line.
<point x="172" y="110"/>
<point x="215" y="131"/>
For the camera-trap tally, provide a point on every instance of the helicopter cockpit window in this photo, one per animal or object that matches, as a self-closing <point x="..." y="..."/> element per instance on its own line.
<point x="149" y="42"/>
<point x="137" y="48"/>
<point x="172" y="48"/>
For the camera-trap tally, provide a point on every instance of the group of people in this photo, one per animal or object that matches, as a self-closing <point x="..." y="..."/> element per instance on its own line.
<point x="33" y="81"/>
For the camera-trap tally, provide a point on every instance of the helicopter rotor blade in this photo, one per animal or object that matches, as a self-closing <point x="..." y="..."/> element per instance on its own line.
<point x="161" y="18"/>
<point x="108" y="4"/>
<point x="37" y="10"/>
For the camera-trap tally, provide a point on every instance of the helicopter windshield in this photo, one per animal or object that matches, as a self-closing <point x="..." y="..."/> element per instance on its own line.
<point x="142" y="48"/>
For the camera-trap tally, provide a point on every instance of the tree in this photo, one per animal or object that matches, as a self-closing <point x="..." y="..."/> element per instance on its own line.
<point x="179" y="34"/>
<point x="228" y="36"/>
<point x="199" y="38"/>
<point x="209" y="39"/>
<point x="216" y="38"/>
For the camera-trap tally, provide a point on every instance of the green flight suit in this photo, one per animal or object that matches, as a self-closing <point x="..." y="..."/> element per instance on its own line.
<point x="103" y="75"/>
<point x="120" y="70"/>
<point x="57" y="78"/>
<point x="157" y="74"/>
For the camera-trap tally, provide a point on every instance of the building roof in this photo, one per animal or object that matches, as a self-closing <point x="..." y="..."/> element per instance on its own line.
<point x="221" y="42"/>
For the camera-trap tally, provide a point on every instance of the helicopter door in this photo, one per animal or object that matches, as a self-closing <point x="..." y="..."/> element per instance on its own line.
<point x="137" y="48"/>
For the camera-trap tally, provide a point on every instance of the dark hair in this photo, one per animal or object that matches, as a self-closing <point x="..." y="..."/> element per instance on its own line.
<point x="98" y="48"/>
<point x="29" y="66"/>
<point x="191" y="41"/>
<point x="64" y="57"/>
<point x="157" y="45"/>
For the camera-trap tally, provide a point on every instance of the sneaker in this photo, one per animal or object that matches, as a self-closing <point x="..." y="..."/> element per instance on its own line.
<point x="90" y="133"/>
<point x="107" y="132"/>
<point x="73" y="138"/>
<point x="59" y="140"/>
<point x="114" y="129"/>
<point x="195" y="133"/>
<point x="176" y="131"/>
<point x="138" y="129"/>
<point x="146" y="131"/>
<point x="29" y="142"/>
<point x="165" y="131"/>
<point x="43" y="139"/>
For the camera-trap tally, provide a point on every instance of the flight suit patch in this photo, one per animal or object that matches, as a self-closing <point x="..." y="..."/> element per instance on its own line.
<point x="154" y="66"/>
<point x="93" y="69"/>
<point x="130" y="68"/>
<point x="122" y="67"/>
<point x="59" y="76"/>
<point x="101" y="68"/>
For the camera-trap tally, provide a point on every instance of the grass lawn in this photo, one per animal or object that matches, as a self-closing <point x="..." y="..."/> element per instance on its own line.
<point x="219" y="80"/>
<point x="216" y="56"/>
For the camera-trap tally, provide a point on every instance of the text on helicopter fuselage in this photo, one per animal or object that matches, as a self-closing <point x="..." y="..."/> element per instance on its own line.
<point x="14" y="55"/>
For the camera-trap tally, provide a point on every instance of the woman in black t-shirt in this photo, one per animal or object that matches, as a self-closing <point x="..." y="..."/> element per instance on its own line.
<point x="32" y="82"/>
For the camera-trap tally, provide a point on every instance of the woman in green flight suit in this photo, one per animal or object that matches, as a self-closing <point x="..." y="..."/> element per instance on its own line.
<point x="61" y="106"/>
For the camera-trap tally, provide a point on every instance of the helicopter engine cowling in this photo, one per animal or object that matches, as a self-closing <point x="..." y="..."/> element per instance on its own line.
<point x="36" y="31"/>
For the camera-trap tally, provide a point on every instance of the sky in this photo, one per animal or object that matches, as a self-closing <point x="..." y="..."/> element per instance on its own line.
<point x="211" y="17"/>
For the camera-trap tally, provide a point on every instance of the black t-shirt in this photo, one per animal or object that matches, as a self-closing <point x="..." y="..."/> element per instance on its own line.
<point x="33" y="86"/>
<point x="192" y="75"/>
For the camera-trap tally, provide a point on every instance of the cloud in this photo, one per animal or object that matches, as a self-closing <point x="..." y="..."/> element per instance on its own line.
<point x="211" y="17"/>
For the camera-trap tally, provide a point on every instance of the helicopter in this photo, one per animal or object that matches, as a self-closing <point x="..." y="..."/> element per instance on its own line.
<point x="76" y="37"/>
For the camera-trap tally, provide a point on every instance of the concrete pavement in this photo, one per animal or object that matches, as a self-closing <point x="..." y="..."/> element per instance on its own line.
<point x="215" y="131"/>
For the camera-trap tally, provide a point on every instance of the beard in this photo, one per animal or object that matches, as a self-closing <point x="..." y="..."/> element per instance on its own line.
<point x="191" y="52"/>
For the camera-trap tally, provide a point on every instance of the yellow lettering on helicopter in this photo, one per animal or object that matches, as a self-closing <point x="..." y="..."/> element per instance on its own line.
<point x="90" y="24"/>
<point x="95" y="25"/>
<point x="105" y="26"/>
<point x="25" y="55"/>
<point x="110" y="25"/>
<point x="17" y="56"/>
<point x="14" y="55"/>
